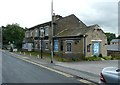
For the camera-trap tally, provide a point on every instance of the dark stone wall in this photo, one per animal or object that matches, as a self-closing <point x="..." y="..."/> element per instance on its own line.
<point x="70" y="55"/>
<point x="113" y="53"/>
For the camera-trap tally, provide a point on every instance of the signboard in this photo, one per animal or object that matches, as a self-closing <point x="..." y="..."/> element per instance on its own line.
<point x="96" y="48"/>
<point x="55" y="45"/>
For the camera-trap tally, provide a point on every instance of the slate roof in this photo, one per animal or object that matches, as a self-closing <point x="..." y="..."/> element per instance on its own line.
<point x="115" y="40"/>
<point x="75" y="31"/>
<point x="113" y="47"/>
<point x="40" y="25"/>
<point x="72" y="32"/>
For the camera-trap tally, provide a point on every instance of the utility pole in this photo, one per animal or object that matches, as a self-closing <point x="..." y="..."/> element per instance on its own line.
<point x="42" y="37"/>
<point x="0" y="37"/>
<point x="52" y="16"/>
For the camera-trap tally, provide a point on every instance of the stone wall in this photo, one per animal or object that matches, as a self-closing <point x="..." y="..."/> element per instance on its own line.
<point x="99" y="36"/>
<point x="113" y="53"/>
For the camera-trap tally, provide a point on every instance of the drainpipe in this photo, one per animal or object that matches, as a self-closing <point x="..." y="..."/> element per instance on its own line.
<point x="84" y="36"/>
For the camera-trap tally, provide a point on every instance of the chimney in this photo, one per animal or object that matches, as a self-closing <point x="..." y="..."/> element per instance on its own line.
<point x="57" y="17"/>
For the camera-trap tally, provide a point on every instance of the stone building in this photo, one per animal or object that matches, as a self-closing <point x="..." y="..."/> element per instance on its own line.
<point x="114" y="48"/>
<point x="72" y="38"/>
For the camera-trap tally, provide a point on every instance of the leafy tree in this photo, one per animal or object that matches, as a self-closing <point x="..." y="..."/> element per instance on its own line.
<point x="13" y="34"/>
<point x="110" y="36"/>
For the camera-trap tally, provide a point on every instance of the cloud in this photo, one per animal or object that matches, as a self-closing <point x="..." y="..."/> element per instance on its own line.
<point x="33" y="12"/>
<point x="101" y="12"/>
<point x="104" y="14"/>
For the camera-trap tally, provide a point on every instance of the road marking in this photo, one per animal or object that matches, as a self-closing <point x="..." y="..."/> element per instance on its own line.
<point x="85" y="81"/>
<point x="65" y="74"/>
<point x="25" y="57"/>
<point x="59" y="72"/>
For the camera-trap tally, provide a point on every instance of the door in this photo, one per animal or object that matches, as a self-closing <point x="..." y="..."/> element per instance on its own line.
<point x="96" y="48"/>
<point x="61" y="45"/>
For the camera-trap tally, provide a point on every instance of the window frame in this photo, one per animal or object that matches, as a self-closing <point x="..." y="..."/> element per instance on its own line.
<point x="69" y="50"/>
<point x="41" y="33"/>
<point x="46" y="30"/>
<point x="36" y="32"/>
<point x="46" y="45"/>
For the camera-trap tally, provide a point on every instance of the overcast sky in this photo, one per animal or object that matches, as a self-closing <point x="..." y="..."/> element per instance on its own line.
<point x="29" y="13"/>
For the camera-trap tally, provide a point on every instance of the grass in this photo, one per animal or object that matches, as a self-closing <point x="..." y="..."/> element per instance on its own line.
<point x="102" y="58"/>
<point x="35" y="53"/>
<point x="61" y="59"/>
<point x="66" y="59"/>
<point x="47" y="55"/>
<point x="92" y="58"/>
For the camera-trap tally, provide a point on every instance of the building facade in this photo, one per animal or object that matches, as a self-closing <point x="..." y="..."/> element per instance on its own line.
<point x="71" y="38"/>
<point x="114" y="48"/>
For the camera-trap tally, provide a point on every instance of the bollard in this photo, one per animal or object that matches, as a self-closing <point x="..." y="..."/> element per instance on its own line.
<point x="20" y="52"/>
<point x="38" y="56"/>
<point x="30" y="54"/>
<point x="24" y="53"/>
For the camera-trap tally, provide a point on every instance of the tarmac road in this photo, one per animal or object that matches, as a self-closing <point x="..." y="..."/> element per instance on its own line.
<point x="17" y="71"/>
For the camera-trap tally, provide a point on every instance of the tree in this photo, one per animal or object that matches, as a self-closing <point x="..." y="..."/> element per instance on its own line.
<point x="110" y="36"/>
<point x="13" y="34"/>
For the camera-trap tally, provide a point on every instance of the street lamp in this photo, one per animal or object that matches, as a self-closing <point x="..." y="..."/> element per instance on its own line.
<point x="41" y="36"/>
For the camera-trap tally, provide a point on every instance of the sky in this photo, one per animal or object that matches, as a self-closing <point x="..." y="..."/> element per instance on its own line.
<point x="28" y="13"/>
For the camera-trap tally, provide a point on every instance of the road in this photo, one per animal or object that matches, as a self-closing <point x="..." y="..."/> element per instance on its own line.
<point x="18" y="71"/>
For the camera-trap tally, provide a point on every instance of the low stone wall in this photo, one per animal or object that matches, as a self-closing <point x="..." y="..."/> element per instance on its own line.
<point x="113" y="53"/>
<point x="71" y="55"/>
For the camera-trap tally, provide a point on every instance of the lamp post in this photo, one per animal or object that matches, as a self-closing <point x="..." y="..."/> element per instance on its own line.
<point x="42" y="36"/>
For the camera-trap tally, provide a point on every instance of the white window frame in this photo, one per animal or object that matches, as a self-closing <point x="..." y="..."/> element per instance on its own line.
<point x="27" y="34"/>
<point x="46" y="30"/>
<point x="41" y="33"/>
<point x="36" y="32"/>
<point x="35" y="44"/>
<point x="68" y="41"/>
<point x="31" y="33"/>
<point x="46" y="46"/>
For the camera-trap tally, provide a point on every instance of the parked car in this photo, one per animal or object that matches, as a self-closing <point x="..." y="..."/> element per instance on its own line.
<point x="110" y="75"/>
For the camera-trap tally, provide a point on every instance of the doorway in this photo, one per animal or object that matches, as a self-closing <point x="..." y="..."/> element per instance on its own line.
<point x="96" y="48"/>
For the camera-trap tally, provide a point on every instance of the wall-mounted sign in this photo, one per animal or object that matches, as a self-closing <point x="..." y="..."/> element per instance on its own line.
<point x="96" y="48"/>
<point x="55" y="45"/>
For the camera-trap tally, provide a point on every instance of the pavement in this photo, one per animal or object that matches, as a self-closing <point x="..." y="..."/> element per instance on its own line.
<point x="88" y="70"/>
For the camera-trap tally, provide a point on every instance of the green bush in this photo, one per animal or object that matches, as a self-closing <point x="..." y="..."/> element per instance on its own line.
<point x="116" y="58"/>
<point x="100" y="55"/>
<point x="92" y="58"/>
<point x="107" y="58"/>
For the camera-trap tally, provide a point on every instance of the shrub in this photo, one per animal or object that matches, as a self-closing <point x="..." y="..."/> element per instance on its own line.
<point x="100" y="55"/>
<point x="116" y="58"/>
<point x="107" y="58"/>
<point x="92" y="58"/>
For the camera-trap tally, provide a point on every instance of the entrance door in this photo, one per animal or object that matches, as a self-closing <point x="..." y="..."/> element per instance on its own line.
<point x="96" y="48"/>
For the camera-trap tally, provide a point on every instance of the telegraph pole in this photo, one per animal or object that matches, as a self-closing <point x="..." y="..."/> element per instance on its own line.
<point x="52" y="16"/>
